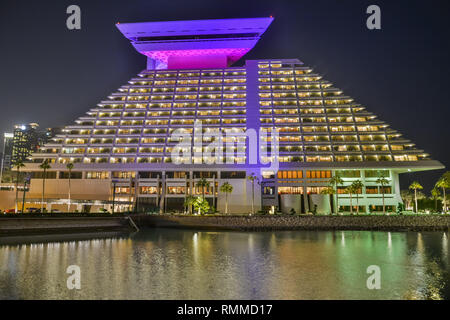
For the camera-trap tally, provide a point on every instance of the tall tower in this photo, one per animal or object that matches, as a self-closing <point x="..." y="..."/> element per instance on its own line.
<point x="7" y="153"/>
<point x="25" y="141"/>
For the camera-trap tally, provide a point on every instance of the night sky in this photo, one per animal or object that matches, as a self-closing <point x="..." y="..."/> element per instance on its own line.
<point x="52" y="75"/>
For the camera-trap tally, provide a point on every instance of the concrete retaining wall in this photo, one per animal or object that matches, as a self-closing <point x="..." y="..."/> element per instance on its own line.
<point x="392" y="223"/>
<point x="56" y="224"/>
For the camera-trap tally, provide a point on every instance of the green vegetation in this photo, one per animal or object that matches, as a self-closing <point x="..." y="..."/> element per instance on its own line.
<point x="201" y="205"/>
<point x="415" y="186"/>
<point x="383" y="182"/>
<point x="189" y="202"/>
<point x="444" y="183"/>
<point x="18" y="164"/>
<point x="202" y="184"/>
<point x="69" y="166"/>
<point x="330" y="191"/>
<point x="226" y="188"/>
<point x="253" y="178"/>
<point x="357" y="186"/>
<point x="44" y="166"/>
<point x="334" y="182"/>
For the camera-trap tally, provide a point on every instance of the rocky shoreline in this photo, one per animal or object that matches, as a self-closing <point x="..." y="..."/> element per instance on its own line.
<point x="305" y="222"/>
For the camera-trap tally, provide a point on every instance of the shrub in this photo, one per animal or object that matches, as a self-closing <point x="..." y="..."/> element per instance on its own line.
<point x="400" y="208"/>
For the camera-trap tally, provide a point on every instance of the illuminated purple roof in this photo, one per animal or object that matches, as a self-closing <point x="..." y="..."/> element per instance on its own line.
<point x="195" y="43"/>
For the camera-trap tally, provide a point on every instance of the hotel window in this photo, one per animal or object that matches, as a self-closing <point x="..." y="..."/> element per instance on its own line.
<point x="122" y="190"/>
<point x="397" y="147"/>
<point x="290" y="174"/>
<point x="268" y="174"/>
<point x="371" y="190"/>
<point x="269" y="190"/>
<point x="176" y="190"/>
<point x="349" y="173"/>
<point x="232" y="175"/>
<point x="315" y="190"/>
<point x="290" y="190"/>
<point x="97" y="175"/>
<point x="148" y="190"/>
<point x="177" y="175"/>
<point x="123" y="174"/>
<point x="316" y="174"/>
<point x="376" y="173"/>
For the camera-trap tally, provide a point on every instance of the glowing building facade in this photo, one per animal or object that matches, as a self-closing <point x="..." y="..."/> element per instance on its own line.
<point x="124" y="147"/>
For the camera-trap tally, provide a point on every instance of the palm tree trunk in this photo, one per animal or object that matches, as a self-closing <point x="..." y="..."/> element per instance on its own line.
<point x="444" y="206"/>
<point x="415" y="199"/>
<point x="253" y="197"/>
<point x="351" y="204"/>
<point x="357" y="204"/>
<point x="23" y="200"/>
<point x="43" y="192"/>
<point x="382" y="194"/>
<point x="17" y="189"/>
<point x="68" y="206"/>
<point x="337" y="201"/>
<point x="331" y="203"/>
<point x="226" y="202"/>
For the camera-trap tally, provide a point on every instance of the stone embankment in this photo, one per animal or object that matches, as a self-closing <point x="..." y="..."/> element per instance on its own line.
<point x="32" y="225"/>
<point x="307" y="222"/>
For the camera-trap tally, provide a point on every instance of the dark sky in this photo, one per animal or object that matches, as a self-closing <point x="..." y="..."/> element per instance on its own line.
<point x="51" y="75"/>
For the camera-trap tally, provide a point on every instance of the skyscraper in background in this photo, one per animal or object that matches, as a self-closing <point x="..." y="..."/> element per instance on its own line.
<point x="6" y="156"/>
<point x="25" y="141"/>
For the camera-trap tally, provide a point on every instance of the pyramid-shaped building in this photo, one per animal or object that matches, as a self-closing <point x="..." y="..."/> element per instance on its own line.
<point x="191" y="114"/>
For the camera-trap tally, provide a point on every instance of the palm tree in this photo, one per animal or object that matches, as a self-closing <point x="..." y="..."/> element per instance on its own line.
<point x="444" y="183"/>
<point x="202" y="183"/>
<point x="69" y="167"/>
<point x="350" y="190"/>
<point x="435" y="195"/>
<point x="189" y="202"/>
<point x="330" y="191"/>
<point x="26" y="181"/>
<point x="383" y="182"/>
<point x="357" y="187"/>
<point x="415" y="186"/>
<point x="407" y="198"/>
<point x="336" y="181"/>
<point x="18" y="164"/>
<point x="44" y="166"/>
<point x="253" y="178"/>
<point x="226" y="188"/>
<point x="201" y="205"/>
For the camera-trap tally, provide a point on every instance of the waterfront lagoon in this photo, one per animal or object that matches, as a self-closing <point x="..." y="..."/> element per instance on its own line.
<point x="185" y="264"/>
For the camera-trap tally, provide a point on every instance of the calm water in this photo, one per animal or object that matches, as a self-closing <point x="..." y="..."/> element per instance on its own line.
<point x="184" y="264"/>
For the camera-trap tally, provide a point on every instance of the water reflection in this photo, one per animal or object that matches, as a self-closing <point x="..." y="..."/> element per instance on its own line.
<point x="184" y="264"/>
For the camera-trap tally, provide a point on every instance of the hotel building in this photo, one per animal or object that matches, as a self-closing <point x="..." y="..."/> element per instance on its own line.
<point x="122" y="149"/>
